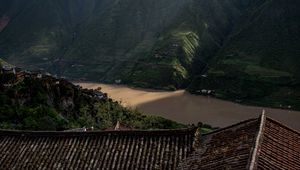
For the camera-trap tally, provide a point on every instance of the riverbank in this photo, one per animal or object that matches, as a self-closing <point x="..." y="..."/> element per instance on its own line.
<point x="184" y="107"/>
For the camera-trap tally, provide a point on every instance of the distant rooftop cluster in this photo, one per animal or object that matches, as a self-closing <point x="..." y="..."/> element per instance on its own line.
<point x="260" y="143"/>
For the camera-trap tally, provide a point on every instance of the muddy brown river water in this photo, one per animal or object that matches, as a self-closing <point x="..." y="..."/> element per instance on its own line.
<point x="186" y="108"/>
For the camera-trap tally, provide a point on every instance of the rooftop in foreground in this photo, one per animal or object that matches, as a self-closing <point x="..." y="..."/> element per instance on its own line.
<point x="260" y="143"/>
<point x="162" y="149"/>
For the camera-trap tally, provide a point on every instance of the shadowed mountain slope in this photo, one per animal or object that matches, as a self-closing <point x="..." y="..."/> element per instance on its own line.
<point x="247" y="49"/>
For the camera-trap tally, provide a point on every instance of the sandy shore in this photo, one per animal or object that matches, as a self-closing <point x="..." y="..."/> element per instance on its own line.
<point x="186" y="108"/>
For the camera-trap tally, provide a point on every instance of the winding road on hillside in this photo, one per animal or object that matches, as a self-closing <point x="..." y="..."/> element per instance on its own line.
<point x="186" y="108"/>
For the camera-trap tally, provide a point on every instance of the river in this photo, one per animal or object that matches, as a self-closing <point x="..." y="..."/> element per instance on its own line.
<point x="184" y="107"/>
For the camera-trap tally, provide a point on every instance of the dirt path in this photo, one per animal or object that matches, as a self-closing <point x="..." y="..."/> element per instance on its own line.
<point x="186" y="108"/>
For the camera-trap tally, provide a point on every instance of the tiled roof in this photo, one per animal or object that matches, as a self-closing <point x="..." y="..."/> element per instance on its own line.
<point x="280" y="147"/>
<point x="228" y="148"/>
<point x="95" y="150"/>
<point x="261" y="143"/>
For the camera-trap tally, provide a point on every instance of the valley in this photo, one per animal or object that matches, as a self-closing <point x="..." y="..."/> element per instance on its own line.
<point x="150" y="84"/>
<point x="186" y="108"/>
<point x="243" y="50"/>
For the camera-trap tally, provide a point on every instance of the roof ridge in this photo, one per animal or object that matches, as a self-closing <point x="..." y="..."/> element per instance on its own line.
<point x="67" y="133"/>
<point x="258" y="141"/>
<point x="228" y="127"/>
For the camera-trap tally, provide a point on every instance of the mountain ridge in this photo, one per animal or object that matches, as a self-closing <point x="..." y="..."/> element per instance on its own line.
<point x="245" y="45"/>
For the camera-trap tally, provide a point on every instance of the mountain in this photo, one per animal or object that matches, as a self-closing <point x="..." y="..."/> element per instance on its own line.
<point x="259" y="62"/>
<point x="243" y="50"/>
<point x="68" y="37"/>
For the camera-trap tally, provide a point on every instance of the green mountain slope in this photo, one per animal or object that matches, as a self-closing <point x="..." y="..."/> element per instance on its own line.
<point x="248" y="50"/>
<point x="183" y="49"/>
<point x="259" y="62"/>
<point x="68" y="37"/>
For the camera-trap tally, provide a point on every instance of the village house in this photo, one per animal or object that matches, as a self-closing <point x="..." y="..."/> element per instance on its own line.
<point x="100" y="95"/>
<point x="39" y="76"/>
<point x="48" y="74"/>
<point x="118" y="81"/>
<point x="7" y="69"/>
<point x="206" y="92"/>
<point x="258" y="143"/>
<point x="8" y="75"/>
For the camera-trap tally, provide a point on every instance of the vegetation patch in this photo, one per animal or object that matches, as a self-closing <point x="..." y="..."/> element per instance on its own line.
<point x="46" y="103"/>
